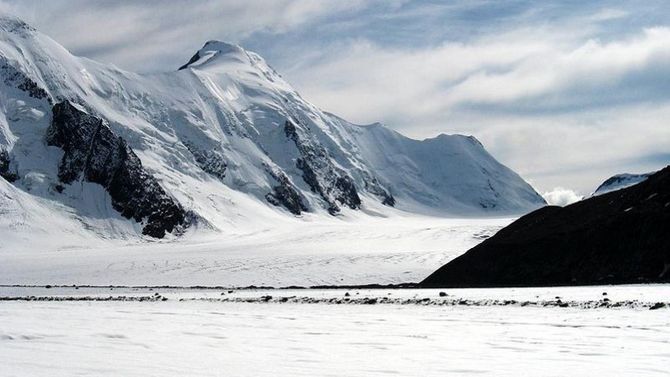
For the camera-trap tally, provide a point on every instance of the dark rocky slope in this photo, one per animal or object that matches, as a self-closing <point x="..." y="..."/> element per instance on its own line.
<point x="334" y="185"/>
<point x="6" y="171"/>
<point x="619" y="237"/>
<point x="93" y="152"/>
<point x="285" y="194"/>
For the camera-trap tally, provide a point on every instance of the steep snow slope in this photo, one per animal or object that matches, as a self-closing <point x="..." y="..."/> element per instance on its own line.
<point x="449" y="173"/>
<point x="620" y="181"/>
<point x="226" y="140"/>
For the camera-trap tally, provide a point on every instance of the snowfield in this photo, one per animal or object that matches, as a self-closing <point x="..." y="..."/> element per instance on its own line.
<point x="292" y="252"/>
<point x="207" y="338"/>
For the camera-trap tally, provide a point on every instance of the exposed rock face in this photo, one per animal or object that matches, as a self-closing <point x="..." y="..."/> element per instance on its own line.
<point x="193" y="59"/>
<point x="373" y="186"/>
<point x="618" y="237"/>
<point x="285" y="194"/>
<point x="15" y="78"/>
<point x="321" y="175"/>
<point x="209" y="161"/>
<point x="5" y="170"/>
<point x="95" y="154"/>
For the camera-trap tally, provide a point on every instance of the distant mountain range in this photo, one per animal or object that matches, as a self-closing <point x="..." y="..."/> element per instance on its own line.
<point x="87" y="147"/>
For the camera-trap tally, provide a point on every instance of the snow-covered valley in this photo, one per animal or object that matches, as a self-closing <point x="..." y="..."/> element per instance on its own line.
<point x="323" y="252"/>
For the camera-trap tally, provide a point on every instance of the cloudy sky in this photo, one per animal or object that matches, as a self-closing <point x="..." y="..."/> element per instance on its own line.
<point x="565" y="93"/>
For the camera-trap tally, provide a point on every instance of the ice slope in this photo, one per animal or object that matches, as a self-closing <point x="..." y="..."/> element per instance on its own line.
<point x="229" y="140"/>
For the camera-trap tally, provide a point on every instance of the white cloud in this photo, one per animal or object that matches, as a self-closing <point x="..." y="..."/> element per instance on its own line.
<point x="498" y="72"/>
<point x="561" y="197"/>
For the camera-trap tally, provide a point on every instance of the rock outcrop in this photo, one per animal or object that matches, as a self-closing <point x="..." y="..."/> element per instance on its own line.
<point x="14" y="78"/>
<point x="95" y="154"/>
<point x="333" y="185"/>
<point x="5" y="170"/>
<point x="210" y="161"/>
<point x="285" y="194"/>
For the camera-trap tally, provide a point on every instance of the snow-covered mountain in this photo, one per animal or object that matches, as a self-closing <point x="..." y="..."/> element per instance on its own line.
<point x="221" y="142"/>
<point x="620" y="181"/>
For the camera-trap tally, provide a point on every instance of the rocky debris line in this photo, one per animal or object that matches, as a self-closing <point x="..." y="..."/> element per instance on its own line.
<point x="442" y="301"/>
<point x="95" y="154"/>
<point x="17" y="79"/>
<point x="615" y="238"/>
<point x="285" y="194"/>
<point x="347" y="299"/>
<point x="210" y="162"/>
<point x="5" y="170"/>
<point x="321" y="175"/>
<point x="153" y="298"/>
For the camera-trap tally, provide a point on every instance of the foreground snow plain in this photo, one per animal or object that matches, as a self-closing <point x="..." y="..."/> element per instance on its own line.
<point x="302" y="252"/>
<point x="311" y="332"/>
<point x="202" y="337"/>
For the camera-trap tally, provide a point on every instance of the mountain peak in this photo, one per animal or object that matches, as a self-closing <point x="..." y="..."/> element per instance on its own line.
<point x="214" y="51"/>
<point x="223" y="47"/>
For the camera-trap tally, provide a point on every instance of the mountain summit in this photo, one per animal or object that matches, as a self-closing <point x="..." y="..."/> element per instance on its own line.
<point x="216" y="52"/>
<point x="222" y="143"/>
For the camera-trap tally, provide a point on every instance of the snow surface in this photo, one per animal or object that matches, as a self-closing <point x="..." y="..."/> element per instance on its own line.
<point x="201" y="338"/>
<point x="620" y="181"/>
<point x="362" y="250"/>
<point x="227" y="106"/>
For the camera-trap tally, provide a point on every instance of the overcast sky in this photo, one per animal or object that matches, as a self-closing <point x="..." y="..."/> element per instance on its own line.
<point x="565" y="93"/>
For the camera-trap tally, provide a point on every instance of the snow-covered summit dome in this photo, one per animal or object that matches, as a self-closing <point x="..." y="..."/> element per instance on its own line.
<point x="216" y="52"/>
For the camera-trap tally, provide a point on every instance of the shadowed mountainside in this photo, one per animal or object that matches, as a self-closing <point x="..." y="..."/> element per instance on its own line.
<point x="618" y="237"/>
